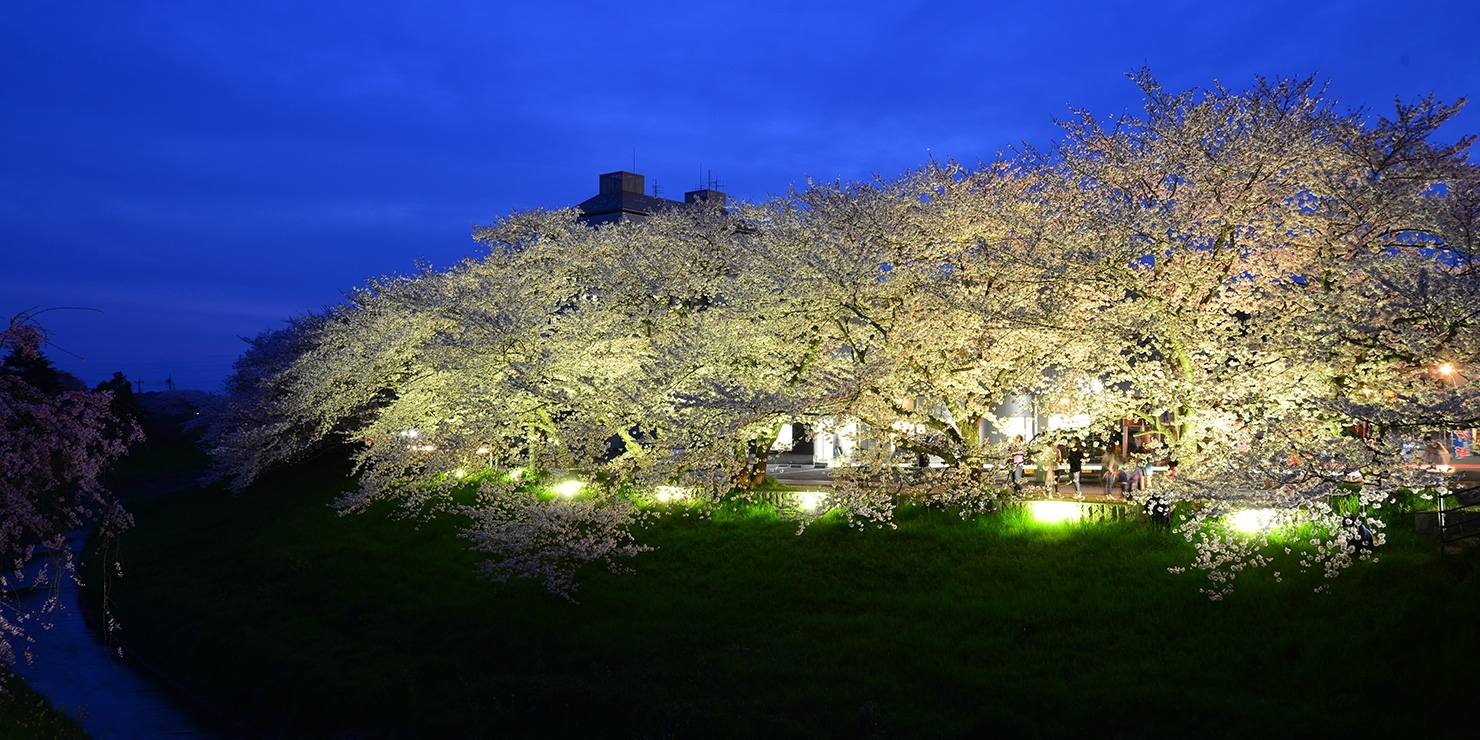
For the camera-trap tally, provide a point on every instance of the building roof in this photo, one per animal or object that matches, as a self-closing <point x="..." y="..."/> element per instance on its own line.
<point x="598" y="208"/>
<point x="621" y="197"/>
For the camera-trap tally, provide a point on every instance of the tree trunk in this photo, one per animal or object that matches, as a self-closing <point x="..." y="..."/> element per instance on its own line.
<point x="757" y="452"/>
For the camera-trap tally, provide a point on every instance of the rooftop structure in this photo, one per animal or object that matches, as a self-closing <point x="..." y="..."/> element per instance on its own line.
<point x="621" y="196"/>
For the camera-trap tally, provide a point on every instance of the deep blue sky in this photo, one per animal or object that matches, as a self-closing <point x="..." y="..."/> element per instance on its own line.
<point x="198" y="172"/>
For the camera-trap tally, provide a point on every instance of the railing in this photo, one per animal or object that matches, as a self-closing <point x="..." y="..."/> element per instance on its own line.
<point x="1461" y="520"/>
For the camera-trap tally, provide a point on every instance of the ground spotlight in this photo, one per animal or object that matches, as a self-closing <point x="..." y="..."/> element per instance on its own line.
<point x="1055" y="512"/>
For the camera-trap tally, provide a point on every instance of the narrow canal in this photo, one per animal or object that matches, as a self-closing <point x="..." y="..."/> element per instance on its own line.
<point x="112" y="698"/>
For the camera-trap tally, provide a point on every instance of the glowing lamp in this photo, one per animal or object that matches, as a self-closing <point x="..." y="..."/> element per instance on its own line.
<point x="671" y="493"/>
<point x="810" y="500"/>
<point x="1446" y="369"/>
<point x="459" y="473"/>
<point x="569" y="487"/>
<point x="1253" y="521"/>
<point x="1055" y="512"/>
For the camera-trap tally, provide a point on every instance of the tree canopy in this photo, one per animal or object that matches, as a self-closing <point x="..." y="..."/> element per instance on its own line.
<point x="1249" y="273"/>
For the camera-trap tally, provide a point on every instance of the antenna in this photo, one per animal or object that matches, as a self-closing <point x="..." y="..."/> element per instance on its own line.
<point x="657" y="191"/>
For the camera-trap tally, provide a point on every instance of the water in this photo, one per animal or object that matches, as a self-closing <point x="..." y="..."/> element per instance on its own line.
<point x="110" y="697"/>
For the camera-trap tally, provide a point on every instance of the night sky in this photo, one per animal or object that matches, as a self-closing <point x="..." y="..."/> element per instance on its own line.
<point x="198" y="172"/>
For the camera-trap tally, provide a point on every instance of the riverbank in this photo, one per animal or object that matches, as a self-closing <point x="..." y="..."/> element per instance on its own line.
<point x="26" y="715"/>
<point x="109" y="696"/>
<point x="78" y="685"/>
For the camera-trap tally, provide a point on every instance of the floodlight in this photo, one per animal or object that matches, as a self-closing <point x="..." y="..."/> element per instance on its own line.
<point x="810" y="500"/>
<point x="671" y="493"/>
<point x="1253" y="521"/>
<point x="1054" y="512"/>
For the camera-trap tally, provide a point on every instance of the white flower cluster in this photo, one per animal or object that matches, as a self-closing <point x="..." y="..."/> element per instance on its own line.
<point x="527" y="535"/>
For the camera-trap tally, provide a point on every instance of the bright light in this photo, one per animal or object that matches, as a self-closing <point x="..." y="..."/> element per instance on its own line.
<point x="1446" y="369"/>
<point x="515" y="473"/>
<point x="569" y="487"/>
<point x="459" y="473"/>
<point x="483" y="450"/>
<point x="810" y="500"/>
<point x="1253" y="521"/>
<point x="671" y="493"/>
<point x="413" y="434"/>
<point x="1054" y="512"/>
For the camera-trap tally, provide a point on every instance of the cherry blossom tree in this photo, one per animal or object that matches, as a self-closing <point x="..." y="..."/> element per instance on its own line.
<point x="1249" y="260"/>
<point x="55" y="446"/>
<point x="1249" y="274"/>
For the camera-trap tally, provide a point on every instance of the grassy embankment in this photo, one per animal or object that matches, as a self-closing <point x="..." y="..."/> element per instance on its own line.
<point x="25" y="715"/>
<point x="307" y="624"/>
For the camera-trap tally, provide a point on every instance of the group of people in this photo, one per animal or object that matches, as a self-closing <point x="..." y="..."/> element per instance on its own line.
<point x="1118" y="474"/>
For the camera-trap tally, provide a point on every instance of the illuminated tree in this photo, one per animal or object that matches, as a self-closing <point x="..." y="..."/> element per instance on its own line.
<point x="1250" y="274"/>
<point x="1260" y="272"/>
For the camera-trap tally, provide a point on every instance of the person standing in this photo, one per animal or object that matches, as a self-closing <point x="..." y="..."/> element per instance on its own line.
<point x="1017" y="457"/>
<point x="1111" y="462"/>
<point x="1048" y="463"/>
<point x="1075" y="457"/>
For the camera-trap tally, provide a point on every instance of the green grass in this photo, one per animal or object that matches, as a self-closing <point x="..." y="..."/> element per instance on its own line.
<point x="25" y="715"/>
<point x="305" y="624"/>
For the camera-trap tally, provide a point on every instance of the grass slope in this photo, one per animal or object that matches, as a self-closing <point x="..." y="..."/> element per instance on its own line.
<point x="26" y="715"/>
<point x="305" y="624"/>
